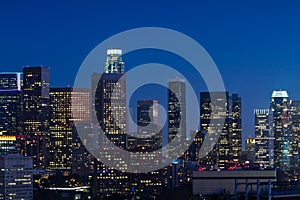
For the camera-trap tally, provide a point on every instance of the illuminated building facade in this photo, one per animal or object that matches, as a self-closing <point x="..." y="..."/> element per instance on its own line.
<point x="264" y="138"/>
<point x="110" y="98"/>
<point x="16" y="177"/>
<point x="250" y="144"/>
<point x="227" y="150"/>
<point x="62" y="124"/>
<point x="10" y="110"/>
<point x="35" y="114"/>
<point x="11" y="80"/>
<point x="236" y="135"/>
<point x="219" y="156"/>
<point x="280" y="106"/>
<point x="295" y="114"/>
<point x="82" y="160"/>
<point x="176" y="109"/>
<point x="250" y="149"/>
<point x="193" y="152"/>
<point x="8" y="144"/>
<point x="148" y="127"/>
<point x="150" y="140"/>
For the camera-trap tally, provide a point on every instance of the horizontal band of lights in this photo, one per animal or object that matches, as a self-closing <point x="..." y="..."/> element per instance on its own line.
<point x="7" y="138"/>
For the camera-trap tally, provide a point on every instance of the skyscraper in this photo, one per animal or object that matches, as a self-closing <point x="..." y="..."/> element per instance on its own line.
<point x="280" y="106"/>
<point x="219" y="157"/>
<point x="236" y="136"/>
<point x="111" y="99"/>
<point x="228" y="107"/>
<point x="10" y="120"/>
<point x="10" y="110"/>
<point x="35" y="114"/>
<point x="150" y="140"/>
<point x="264" y="138"/>
<point x="62" y="124"/>
<point x="176" y="109"/>
<point x="295" y="114"/>
<point x="82" y="159"/>
<point x="83" y="162"/>
<point x="148" y="127"/>
<point x="110" y="110"/>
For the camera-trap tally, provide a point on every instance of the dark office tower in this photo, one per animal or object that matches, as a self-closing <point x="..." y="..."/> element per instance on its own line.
<point x="10" y="111"/>
<point x="147" y="113"/>
<point x="110" y="99"/>
<point x="176" y="109"/>
<point x="150" y="140"/>
<point x="280" y="106"/>
<point x="11" y="80"/>
<point x="148" y="127"/>
<point x="219" y="157"/>
<point x="264" y="138"/>
<point x="193" y="152"/>
<point x="236" y="136"/>
<point x="10" y="119"/>
<point x="35" y="114"/>
<point x="62" y="124"/>
<point x="95" y="98"/>
<point x="82" y="159"/>
<point x="295" y="112"/>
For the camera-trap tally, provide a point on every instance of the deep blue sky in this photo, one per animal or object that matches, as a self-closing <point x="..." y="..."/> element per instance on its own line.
<point x="256" y="45"/>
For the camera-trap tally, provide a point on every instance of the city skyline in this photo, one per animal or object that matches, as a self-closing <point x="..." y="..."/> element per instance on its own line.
<point x="149" y="100"/>
<point x="264" y="36"/>
<point x="48" y="134"/>
<point x="19" y="80"/>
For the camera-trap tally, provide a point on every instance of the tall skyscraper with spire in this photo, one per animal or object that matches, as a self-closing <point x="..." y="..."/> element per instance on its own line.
<point x="110" y="111"/>
<point x="111" y="99"/>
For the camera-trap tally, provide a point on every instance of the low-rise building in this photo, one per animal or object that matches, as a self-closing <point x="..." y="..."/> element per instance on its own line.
<point x="16" y="176"/>
<point x="214" y="182"/>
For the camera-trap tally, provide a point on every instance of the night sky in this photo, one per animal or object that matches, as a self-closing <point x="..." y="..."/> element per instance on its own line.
<point x="256" y="45"/>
